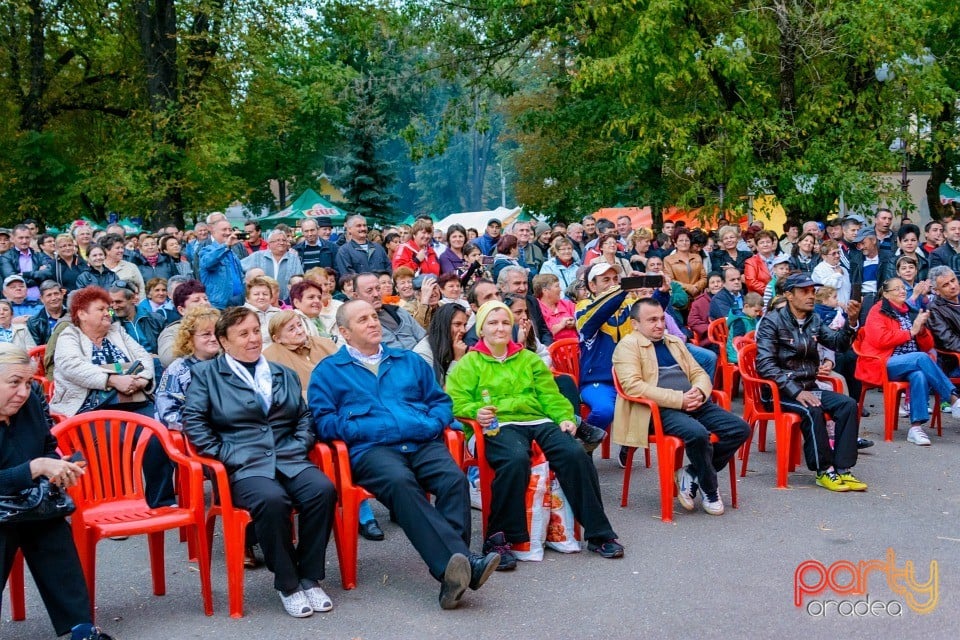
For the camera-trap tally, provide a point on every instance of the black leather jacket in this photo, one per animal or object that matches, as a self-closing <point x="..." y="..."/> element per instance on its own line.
<point x="944" y="324"/>
<point x="787" y="352"/>
<point x="223" y="419"/>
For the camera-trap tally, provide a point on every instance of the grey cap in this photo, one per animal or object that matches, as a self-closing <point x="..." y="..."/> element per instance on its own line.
<point x="864" y="233"/>
<point x="5" y="232"/>
<point x="856" y="217"/>
<point x="781" y="258"/>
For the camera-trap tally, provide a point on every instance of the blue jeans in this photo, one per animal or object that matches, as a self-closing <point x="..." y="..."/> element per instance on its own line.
<point x="705" y="358"/>
<point x="924" y="375"/>
<point x="601" y="397"/>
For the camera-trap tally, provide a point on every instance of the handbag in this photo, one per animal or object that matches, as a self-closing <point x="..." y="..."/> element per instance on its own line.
<point x="43" y="501"/>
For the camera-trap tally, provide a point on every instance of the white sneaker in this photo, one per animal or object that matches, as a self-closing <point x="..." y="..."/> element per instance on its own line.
<point x="712" y="506"/>
<point x="476" y="502"/>
<point x="945" y="407"/>
<point x="686" y="489"/>
<point x="904" y="409"/>
<point x="318" y="599"/>
<point x="955" y="408"/>
<point x="296" y="604"/>
<point x="917" y="436"/>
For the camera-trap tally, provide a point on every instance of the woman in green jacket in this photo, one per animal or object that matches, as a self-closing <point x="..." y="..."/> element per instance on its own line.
<point x="502" y="385"/>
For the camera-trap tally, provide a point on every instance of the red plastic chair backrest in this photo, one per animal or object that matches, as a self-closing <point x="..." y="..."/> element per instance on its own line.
<point x="718" y="332"/>
<point x="113" y="445"/>
<point x="566" y="357"/>
<point x="752" y="383"/>
<point x="37" y="354"/>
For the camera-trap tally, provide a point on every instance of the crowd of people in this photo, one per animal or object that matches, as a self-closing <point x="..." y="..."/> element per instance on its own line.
<point x="255" y="345"/>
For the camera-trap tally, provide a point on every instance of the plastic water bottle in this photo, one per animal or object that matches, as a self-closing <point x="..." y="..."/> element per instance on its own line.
<point x="494" y="427"/>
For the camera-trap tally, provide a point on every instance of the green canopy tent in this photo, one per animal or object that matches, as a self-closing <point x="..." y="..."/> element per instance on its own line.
<point x="310" y="204"/>
<point x="948" y="194"/>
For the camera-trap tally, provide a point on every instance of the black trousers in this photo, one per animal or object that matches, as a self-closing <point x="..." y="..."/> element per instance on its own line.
<point x="269" y="501"/>
<point x="694" y="428"/>
<point x="508" y="454"/>
<point x="399" y="479"/>
<point x="158" y="486"/>
<point x="813" y="426"/>
<point x="50" y="554"/>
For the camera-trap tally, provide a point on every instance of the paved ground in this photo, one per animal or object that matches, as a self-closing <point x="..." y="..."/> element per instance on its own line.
<point x="702" y="576"/>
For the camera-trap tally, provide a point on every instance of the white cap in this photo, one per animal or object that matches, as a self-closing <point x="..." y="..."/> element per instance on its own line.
<point x="602" y="267"/>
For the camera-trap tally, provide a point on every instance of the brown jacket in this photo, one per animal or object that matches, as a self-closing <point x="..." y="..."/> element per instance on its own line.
<point x="690" y="273"/>
<point x="304" y="359"/>
<point x="635" y="363"/>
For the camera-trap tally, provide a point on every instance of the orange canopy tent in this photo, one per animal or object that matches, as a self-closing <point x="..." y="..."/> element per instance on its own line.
<point x="643" y="216"/>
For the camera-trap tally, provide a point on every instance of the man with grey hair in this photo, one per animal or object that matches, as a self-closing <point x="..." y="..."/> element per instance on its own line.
<point x="576" y="236"/>
<point x="513" y="281"/>
<point x="278" y="261"/>
<point x="359" y="255"/>
<point x="219" y="269"/>
<point x="944" y="321"/>
<point x="530" y="255"/>
<point x="388" y="408"/>
<point x="589" y="229"/>
<point x="400" y="329"/>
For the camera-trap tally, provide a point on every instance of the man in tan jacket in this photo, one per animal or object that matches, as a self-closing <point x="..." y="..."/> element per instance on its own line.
<point x="652" y="364"/>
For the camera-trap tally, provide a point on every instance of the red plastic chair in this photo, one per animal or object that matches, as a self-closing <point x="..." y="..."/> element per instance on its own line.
<point x="565" y="354"/>
<point x="891" y="390"/>
<point x="15" y="584"/>
<point x="727" y="376"/>
<point x="347" y="513"/>
<point x="755" y="414"/>
<point x="110" y="500"/>
<point x="669" y="455"/>
<point x="486" y="473"/>
<point x="37" y="354"/>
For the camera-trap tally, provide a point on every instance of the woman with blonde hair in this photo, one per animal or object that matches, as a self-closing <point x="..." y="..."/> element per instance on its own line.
<point x="260" y="300"/>
<point x="292" y="347"/>
<point x="195" y="342"/>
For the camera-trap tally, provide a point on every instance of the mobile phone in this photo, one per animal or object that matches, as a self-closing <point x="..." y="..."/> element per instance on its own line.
<point x="77" y="459"/>
<point x="486" y="261"/>
<point x="641" y="282"/>
<point x="856" y="291"/>
<point x="241" y="235"/>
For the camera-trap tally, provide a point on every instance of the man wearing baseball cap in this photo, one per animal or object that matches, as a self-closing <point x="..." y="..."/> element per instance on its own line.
<point x="602" y="320"/>
<point x="488" y="241"/>
<point x="15" y="292"/>
<point x="787" y="354"/>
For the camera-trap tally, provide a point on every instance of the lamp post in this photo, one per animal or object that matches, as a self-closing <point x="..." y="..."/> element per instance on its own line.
<point x="503" y="187"/>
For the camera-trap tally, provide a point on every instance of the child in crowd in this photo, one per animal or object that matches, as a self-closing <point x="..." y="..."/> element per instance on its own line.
<point x="831" y="314"/>
<point x="742" y="322"/>
<point x="780" y="270"/>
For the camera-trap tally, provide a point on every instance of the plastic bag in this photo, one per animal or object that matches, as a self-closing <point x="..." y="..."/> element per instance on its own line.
<point x="560" y="527"/>
<point x="538" y="514"/>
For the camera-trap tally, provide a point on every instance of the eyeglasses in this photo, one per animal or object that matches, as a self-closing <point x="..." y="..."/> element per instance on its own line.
<point x="834" y="253"/>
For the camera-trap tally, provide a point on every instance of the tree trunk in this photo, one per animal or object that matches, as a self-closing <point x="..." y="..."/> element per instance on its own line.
<point x="940" y="169"/>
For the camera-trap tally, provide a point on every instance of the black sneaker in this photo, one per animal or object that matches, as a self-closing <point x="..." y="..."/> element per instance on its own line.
<point x="608" y="548"/>
<point x="622" y="457"/>
<point x="497" y="543"/>
<point x="481" y="567"/>
<point x="456" y="579"/>
<point x="863" y="443"/>
<point x="589" y="434"/>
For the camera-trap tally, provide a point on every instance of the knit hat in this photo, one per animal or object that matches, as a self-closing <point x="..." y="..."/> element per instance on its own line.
<point x="484" y="311"/>
<point x="540" y="228"/>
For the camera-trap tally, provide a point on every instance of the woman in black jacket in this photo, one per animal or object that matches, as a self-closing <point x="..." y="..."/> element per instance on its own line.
<point x="250" y="414"/>
<point x="27" y="452"/>
<point x="96" y="274"/>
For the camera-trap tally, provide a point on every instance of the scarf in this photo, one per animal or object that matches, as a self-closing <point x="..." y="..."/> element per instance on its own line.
<point x="364" y="359"/>
<point x="261" y="382"/>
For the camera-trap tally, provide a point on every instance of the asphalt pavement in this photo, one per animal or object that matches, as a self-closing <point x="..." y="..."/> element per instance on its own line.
<point x="702" y="576"/>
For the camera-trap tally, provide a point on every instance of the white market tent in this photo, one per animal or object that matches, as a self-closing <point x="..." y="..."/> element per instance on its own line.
<point x="478" y="219"/>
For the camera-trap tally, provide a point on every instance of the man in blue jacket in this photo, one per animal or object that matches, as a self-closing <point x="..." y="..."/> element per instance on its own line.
<point x="388" y="408"/>
<point x="220" y="270"/>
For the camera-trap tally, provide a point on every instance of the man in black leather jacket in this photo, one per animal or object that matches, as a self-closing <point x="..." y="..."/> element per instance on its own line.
<point x="787" y="354"/>
<point x="944" y="319"/>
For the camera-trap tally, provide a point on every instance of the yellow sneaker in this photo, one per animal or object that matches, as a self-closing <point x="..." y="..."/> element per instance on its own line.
<point x="852" y="483"/>
<point x="830" y="480"/>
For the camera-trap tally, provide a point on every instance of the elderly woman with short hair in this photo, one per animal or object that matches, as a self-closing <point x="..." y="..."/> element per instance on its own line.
<point x="28" y="452"/>
<point x="250" y="414"/>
